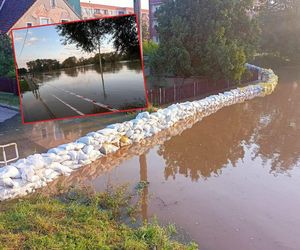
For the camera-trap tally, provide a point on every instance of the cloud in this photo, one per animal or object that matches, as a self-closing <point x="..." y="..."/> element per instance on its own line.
<point x="18" y="38"/>
<point x="32" y="40"/>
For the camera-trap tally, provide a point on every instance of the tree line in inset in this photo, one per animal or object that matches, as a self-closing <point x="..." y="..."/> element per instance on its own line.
<point x="47" y="65"/>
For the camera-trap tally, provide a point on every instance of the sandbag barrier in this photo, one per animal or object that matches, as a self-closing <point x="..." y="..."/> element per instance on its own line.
<point x="31" y="173"/>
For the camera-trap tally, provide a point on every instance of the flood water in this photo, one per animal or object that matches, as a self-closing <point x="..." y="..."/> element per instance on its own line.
<point x="79" y="91"/>
<point x="231" y="181"/>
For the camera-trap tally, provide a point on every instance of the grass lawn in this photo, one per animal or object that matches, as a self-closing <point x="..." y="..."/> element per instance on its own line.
<point x="9" y="99"/>
<point x="79" y="220"/>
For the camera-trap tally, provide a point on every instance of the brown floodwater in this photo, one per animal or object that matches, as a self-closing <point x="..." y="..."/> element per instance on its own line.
<point x="229" y="181"/>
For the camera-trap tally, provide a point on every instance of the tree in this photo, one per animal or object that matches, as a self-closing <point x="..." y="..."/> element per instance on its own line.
<point x="7" y="67"/>
<point x="279" y="21"/>
<point x="42" y="65"/>
<point x="22" y="71"/>
<point x="145" y="31"/>
<point x="212" y="38"/>
<point x="69" y="62"/>
<point x="89" y="35"/>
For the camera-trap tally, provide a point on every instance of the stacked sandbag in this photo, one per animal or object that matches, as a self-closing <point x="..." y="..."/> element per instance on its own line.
<point x="27" y="175"/>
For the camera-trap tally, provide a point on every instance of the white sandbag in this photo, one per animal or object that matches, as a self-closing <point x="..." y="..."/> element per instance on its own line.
<point x="87" y="140"/>
<point x="87" y="149"/>
<point x="58" y="151"/>
<point x="37" y="161"/>
<point x="78" y="145"/>
<point x="9" y="172"/>
<point x="107" y="131"/>
<point x="74" y="155"/>
<point x="108" y="149"/>
<point x="50" y="174"/>
<point x="60" y="168"/>
<point x="82" y="156"/>
<point x="27" y="172"/>
<point x="6" y="182"/>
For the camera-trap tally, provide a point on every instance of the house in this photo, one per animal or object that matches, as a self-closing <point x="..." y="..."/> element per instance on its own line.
<point x="27" y="13"/>
<point x="91" y="10"/>
<point x="153" y="7"/>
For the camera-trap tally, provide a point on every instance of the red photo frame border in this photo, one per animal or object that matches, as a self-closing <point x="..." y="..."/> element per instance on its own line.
<point x="87" y="115"/>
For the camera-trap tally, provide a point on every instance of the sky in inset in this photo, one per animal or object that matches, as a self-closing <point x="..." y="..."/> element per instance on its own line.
<point x="45" y="43"/>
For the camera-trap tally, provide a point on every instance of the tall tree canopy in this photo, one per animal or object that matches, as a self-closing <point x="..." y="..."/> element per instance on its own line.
<point x="88" y="35"/>
<point x="205" y="37"/>
<point x="279" y="21"/>
<point x="41" y="65"/>
<point x="6" y="57"/>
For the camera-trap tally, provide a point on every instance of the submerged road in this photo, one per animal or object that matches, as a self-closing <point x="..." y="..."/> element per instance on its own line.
<point x="54" y="102"/>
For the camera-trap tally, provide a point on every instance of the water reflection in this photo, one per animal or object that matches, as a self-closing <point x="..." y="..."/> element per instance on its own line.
<point x="79" y="90"/>
<point x="144" y="180"/>
<point x="215" y="177"/>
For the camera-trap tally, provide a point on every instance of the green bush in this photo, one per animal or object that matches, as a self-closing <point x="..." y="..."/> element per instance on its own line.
<point x="149" y="48"/>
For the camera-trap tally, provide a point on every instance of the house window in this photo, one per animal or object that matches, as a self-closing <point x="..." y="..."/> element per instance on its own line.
<point x="121" y="12"/>
<point x="105" y="12"/>
<point x="53" y="3"/>
<point x="64" y="20"/>
<point x="29" y="24"/>
<point x="44" y="20"/>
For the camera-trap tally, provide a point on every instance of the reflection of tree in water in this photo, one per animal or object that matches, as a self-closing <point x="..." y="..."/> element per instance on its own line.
<point x="210" y="145"/>
<point x="46" y="77"/>
<point x="271" y="124"/>
<point x="72" y="72"/>
<point x="135" y="65"/>
<point x="110" y="67"/>
<point x="279" y="138"/>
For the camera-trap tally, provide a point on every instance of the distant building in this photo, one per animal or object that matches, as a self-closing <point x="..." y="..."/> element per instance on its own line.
<point x="90" y="10"/>
<point x="27" y="13"/>
<point x="153" y="7"/>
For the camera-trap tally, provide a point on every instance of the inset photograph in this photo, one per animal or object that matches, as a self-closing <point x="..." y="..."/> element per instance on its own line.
<point x="79" y="68"/>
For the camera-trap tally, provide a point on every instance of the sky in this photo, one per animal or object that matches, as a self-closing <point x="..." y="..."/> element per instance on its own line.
<point x="45" y="43"/>
<point x="122" y="3"/>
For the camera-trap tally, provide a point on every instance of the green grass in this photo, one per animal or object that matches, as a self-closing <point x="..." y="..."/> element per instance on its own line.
<point x="79" y="220"/>
<point x="9" y="99"/>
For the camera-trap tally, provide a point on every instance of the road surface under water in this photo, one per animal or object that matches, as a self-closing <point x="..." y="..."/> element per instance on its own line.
<point x="80" y="91"/>
<point x="229" y="182"/>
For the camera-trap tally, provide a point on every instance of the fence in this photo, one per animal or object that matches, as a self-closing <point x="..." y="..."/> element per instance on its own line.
<point x="9" y="85"/>
<point x="161" y="96"/>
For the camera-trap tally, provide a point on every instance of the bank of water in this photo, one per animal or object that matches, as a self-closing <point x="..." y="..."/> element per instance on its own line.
<point x="231" y="181"/>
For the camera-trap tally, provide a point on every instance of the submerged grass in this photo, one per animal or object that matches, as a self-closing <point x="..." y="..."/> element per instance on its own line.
<point x="79" y="220"/>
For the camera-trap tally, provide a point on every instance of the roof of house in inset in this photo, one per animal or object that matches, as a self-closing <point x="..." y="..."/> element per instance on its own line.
<point x="11" y="12"/>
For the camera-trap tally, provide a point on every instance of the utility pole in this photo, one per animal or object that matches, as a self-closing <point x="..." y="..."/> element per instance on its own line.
<point x="138" y="12"/>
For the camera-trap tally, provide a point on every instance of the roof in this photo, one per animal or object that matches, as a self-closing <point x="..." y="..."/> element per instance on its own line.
<point x="12" y="11"/>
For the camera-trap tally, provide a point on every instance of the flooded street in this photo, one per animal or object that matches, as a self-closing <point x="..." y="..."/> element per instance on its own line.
<point x="229" y="182"/>
<point x="78" y="91"/>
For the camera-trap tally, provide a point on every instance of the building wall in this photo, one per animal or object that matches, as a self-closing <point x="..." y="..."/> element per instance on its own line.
<point x="41" y="12"/>
<point x="153" y="6"/>
<point x="89" y="10"/>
